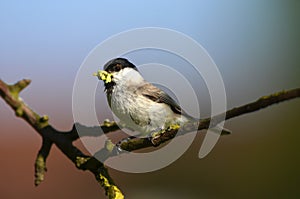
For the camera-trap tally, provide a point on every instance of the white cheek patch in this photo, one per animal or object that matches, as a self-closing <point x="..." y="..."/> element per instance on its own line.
<point x="128" y="76"/>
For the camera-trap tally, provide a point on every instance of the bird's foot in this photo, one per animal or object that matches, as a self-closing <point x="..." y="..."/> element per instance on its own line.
<point x="119" y="144"/>
<point x="155" y="135"/>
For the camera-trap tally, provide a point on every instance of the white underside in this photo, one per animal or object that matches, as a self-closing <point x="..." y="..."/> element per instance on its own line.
<point x="138" y="112"/>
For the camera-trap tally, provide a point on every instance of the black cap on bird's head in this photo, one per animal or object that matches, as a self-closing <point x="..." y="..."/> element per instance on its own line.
<point x="115" y="65"/>
<point x="111" y="67"/>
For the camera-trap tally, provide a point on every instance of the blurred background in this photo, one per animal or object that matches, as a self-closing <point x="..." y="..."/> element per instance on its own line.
<point x="254" y="43"/>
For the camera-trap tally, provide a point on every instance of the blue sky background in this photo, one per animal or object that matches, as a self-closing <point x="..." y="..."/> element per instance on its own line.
<point x="254" y="43"/>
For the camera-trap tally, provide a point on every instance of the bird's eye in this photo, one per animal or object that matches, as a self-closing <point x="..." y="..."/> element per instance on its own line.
<point x="117" y="67"/>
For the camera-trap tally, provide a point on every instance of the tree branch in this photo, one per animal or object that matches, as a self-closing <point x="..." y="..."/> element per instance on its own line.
<point x="64" y="140"/>
<point x="263" y="102"/>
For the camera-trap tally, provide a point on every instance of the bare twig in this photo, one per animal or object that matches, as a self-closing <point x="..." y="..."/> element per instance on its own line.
<point x="263" y="102"/>
<point x="64" y="140"/>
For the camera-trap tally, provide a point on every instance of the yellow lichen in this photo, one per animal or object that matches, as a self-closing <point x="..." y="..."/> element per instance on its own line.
<point x="273" y="95"/>
<point x="81" y="160"/>
<point x="40" y="169"/>
<point x="155" y="135"/>
<point x="108" y="123"/>
<point x="117" y="193"/>
<point x="279" y="93"/>
<point x="113" y="191"/>
<point x="19" y="111"/>
<point x="44" y="118"/>
<point x="109" y="145"/>
<point x="264" y="97"/>
<point x="42" y="121"/>
<point x="174" y="126"/>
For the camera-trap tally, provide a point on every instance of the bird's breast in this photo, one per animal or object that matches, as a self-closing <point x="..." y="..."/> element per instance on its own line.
<point x="139" y="112"/>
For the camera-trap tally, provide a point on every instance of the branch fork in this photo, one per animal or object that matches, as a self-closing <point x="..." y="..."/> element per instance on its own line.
<point x="64" y="140"/>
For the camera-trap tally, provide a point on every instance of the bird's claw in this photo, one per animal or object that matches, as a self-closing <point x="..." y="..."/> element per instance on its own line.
<point x="154" y="136"/>
<point x="118" y="145"/>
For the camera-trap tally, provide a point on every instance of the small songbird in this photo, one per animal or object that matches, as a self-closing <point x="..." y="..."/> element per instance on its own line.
<point x="138" y="104"/>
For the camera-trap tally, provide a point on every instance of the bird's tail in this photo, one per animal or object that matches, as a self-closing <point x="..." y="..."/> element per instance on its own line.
<point x="223" y="130"/>
<point x="216" y="128"/>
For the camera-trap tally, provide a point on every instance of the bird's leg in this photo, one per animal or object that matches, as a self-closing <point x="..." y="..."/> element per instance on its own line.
<point x="118" y="145"/>
<point x="156" y="134"/>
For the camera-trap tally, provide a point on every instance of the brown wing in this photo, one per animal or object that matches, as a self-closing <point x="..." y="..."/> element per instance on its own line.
<point x="157" y="95"/>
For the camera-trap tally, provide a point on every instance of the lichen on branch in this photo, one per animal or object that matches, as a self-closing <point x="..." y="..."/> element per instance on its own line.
<point x="64" y="140"/>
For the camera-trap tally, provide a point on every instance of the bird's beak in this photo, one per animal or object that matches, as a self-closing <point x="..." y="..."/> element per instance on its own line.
<point x="104" y="76"/>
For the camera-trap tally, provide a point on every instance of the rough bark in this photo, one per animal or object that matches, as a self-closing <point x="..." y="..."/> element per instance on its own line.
<point x="64" y="140"/>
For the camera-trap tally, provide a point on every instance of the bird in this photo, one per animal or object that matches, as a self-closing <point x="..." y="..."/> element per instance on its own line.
<point x="140" y="105"/>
